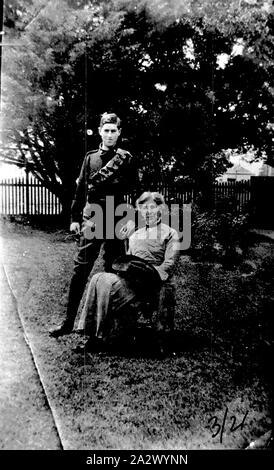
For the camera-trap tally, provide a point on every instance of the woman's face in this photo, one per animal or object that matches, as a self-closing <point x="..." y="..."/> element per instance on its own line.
<point x="150" y="212"/>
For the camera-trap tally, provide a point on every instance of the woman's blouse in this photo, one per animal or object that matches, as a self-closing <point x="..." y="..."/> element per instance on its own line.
<point x="159" y="245"/>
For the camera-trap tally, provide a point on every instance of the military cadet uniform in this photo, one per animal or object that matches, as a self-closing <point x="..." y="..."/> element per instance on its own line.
<point x="111" y="172"/>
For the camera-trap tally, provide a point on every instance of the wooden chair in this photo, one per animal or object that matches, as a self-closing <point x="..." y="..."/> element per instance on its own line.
<point x="148" y="320"/>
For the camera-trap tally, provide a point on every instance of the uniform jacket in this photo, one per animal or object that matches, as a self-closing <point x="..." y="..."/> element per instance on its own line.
<point x="112" y="172"/>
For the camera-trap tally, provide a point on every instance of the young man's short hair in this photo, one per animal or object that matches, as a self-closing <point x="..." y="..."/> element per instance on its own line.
<point x="110" y="118"/>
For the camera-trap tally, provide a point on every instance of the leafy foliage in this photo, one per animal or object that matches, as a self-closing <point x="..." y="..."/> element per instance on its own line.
<point x="220" y="234"/>
<point x="189" y="79"/>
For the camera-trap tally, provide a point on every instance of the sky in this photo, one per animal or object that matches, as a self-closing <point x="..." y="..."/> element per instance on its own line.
<point x="10" y="171"/>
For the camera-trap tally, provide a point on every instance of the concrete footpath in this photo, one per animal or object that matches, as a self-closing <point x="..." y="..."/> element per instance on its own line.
<point x="26" y="421"/>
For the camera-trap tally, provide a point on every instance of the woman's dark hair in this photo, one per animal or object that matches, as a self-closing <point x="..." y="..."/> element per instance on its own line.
<point x="147" y="195"/>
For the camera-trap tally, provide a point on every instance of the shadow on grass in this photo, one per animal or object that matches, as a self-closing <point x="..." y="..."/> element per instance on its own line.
<point x="148" y="343"/>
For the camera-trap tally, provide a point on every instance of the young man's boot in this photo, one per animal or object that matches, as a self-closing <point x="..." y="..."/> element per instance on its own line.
<point x="64" y="329"/>
<point x="76" y="290"/>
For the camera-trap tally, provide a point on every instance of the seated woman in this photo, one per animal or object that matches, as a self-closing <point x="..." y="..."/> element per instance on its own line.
<point x="152" y="252"/>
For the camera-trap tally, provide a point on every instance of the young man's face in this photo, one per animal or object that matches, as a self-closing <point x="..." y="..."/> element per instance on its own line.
<point x="109" y="134"/>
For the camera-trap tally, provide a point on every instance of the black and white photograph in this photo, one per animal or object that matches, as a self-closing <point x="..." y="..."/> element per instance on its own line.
<point x="136" y="231"/>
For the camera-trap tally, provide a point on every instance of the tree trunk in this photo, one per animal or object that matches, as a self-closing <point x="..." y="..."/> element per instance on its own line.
<point x="66" y="210"/>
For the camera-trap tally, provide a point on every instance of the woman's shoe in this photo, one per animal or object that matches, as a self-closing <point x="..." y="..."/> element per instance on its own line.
<point x="93" y="345"/>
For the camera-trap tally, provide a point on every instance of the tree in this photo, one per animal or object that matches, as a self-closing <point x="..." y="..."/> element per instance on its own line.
<point x="190" y="80"/>
<point x="44" y="106"/>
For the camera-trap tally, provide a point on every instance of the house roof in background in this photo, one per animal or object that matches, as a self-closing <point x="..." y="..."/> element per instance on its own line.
<point x="239" y="170"/>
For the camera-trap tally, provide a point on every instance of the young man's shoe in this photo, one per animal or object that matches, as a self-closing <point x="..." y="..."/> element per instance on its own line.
<point x="64" y="329"/>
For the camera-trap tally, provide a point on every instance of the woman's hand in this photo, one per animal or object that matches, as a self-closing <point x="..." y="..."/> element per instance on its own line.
<point x="127" y="229"/>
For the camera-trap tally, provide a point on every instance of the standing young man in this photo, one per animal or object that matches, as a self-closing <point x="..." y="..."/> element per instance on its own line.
<point x="107" y="171"/>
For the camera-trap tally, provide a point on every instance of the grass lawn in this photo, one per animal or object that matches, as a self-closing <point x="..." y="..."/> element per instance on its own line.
<point x="221" y="357"/>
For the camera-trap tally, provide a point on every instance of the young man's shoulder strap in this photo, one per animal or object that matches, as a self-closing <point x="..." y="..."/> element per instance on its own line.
<point x="124" y="153"/>
<point x="121" y="157"/>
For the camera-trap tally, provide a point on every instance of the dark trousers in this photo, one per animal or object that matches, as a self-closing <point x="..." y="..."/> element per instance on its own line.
<point x="83" y="263"/>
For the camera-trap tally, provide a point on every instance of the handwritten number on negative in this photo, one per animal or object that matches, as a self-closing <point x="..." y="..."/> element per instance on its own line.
<point x="240" y="426"/>
<point x="215" y="425"/>
<point x="220" y="428"/>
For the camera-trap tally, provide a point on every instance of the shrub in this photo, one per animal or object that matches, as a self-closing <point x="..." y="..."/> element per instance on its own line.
<point x="220" y="234"/>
